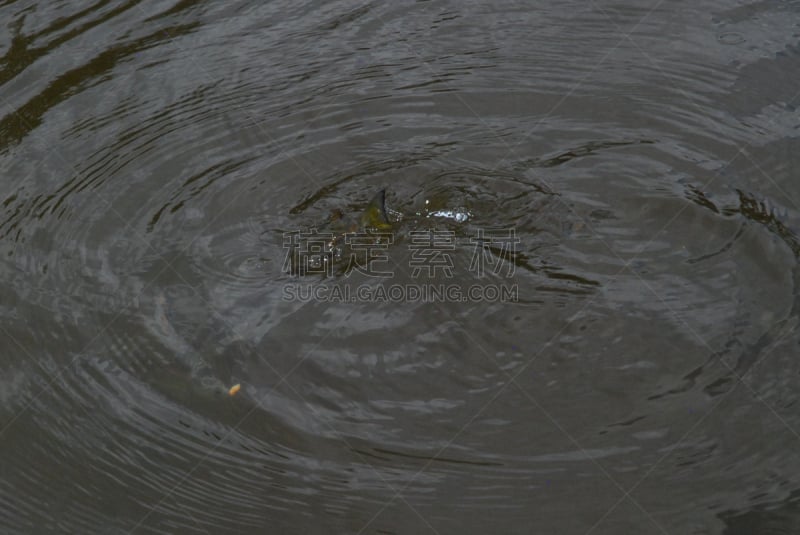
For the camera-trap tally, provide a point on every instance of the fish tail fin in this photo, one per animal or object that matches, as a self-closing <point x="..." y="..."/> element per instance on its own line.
<point x="380" y="201"/>
<point x="374" y="215"/>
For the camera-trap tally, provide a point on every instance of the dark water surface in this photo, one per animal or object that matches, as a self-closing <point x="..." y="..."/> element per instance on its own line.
<point x="153" y="154"/>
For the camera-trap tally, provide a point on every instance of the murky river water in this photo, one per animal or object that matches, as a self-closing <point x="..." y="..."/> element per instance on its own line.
<point x="641" y="375"/>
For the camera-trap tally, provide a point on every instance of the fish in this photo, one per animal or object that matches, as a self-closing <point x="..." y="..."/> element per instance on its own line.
<point x="373" y="217"/>
<point x="320" y="248"/>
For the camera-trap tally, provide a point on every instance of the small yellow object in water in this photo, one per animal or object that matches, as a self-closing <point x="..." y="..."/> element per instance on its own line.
<point x="234" y="389"/>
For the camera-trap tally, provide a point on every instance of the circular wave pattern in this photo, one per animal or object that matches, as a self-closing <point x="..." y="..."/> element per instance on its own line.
<point x="154" y="160"/>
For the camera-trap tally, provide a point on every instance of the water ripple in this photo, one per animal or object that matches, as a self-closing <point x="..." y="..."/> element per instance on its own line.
<point x="155" y="155"/>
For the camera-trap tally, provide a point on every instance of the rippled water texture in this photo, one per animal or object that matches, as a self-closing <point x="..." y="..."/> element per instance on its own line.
<point x="154" y="156"/>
